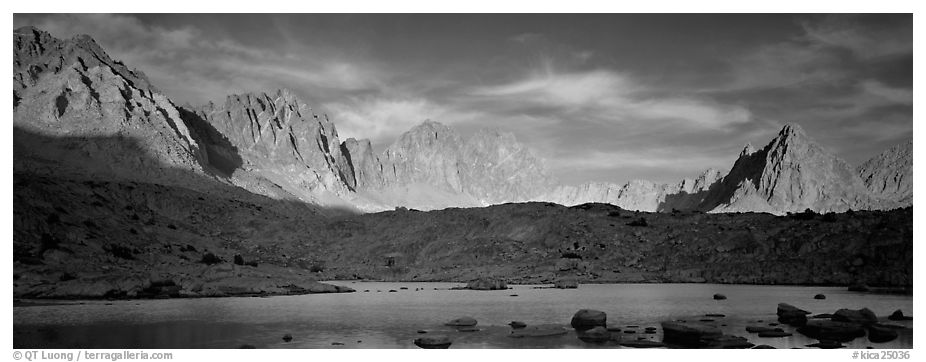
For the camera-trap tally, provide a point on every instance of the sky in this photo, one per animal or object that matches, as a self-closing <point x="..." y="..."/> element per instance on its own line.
<point x="600" y="97"/>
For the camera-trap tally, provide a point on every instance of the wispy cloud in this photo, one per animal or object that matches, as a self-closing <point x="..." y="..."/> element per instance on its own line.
<point x="613" y="97"/>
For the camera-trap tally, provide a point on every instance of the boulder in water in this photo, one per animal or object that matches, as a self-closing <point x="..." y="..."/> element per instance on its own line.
<point x="719" y="297"/>
<point x="688" y="334"/>
<point x="594" y="335"/>
<point x="462" y="322"/>
<point x="287" y="337"/>
<point x="517" y="324"/>
<point x="433" y="342"/>
<point x="898" y="316"/>
<point x="588" y="318"/>
<point x="862" y="316"/>
<point x="819" y="297"/>
<point x="791" y="315"/>
<point x="831" y="330"/>
<point x="881" y="334"/>
<point x="642" y="344"/>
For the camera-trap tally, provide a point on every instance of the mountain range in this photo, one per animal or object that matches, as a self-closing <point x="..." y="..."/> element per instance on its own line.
<point x="275" y="145"/>
<point x="120" y="193"/>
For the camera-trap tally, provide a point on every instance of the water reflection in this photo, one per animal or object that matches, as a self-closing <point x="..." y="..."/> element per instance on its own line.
<point x="391" y="320"/>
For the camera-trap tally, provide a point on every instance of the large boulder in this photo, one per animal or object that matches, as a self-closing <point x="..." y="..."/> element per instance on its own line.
<point x="588" y="318"/>
<point x="462" y="322"/>
<point x="831" y="330"/>
<point x="689" y="334"/>
<point x="862" y="316"/>
<point x="433" y="342"/>
<point x="487" y="284"/>
<point x="791" y="315"/>
<point x="594" y="335"/>
<point x="881" y="334"/>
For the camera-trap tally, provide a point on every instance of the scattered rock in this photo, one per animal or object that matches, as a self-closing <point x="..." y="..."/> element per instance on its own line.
<point x="462" y="322"/>
<point x="614" y="329"/>
<point x="827" y="344"/>
<point x="726" y="342"/>
<point x="898" y="316"/>
<point x="642" y="344"/>
<point x="422" y="331"/>
<point x="761" y="329"/>
<point x="287" y="337"/>
<point x="715" y="315"/>
<point x="705" y="320"/>
<point x="433" y="342"/>
<point x="547" y="330"/>
<point x="393" y="291"/>
<point x="630" y="332"/>
<point x="862" y="316"/>
<point x="881" y="334"/>
<point x="594" y="335"/>
<point x="517" y="324"/>
<point x="763" y="346"/>
<point x="719" y="297"/>
<point x="513" y="295"/>
<point x="467" y="329"/>
<point x="791" y="315"/>
<point x="337" y="344"/>
<point x="588" y="318"/>
<point x="403" y="288"/>
<point x="688" y="334"/>
<point x="774" y="334"/>
<point x="487" y="284"/>
<point x="819" y="296"/>
<point x="831" y="330"/>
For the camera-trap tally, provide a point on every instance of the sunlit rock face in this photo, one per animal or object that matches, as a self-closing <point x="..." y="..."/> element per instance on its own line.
<point x="889" y="175"/>
<point x="72" y="88"/>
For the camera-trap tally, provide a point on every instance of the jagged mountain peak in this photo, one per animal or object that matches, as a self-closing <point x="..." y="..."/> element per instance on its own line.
<point x="748" y="150"/>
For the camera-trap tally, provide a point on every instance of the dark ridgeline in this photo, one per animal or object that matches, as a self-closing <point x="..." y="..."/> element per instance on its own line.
<point x="120" y="193"/>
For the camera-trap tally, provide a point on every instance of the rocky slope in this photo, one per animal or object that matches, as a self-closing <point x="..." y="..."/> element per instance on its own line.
<point x="641" y="195"/>
<point x="543" y="242"/>
<point x="72" y="88"/>
<point x="889" y="175"/>
<point x="791" y="174"/>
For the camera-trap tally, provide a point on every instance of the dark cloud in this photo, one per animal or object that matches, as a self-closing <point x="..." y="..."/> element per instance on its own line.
<point x="606" y="97"/>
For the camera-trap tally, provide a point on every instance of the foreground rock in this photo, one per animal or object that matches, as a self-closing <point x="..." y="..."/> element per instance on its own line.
<point x="588" y="318"/>
<point x="862" y="316"/>
<point x="487" y="284"/>
<point x="594" y="335"/>
<point x="462" y="322"/>
<point x="726" y="342"/>
<point x="433" y="342"/>
<point x="642" y="344"/>
<point x="791" y="315"/>
<point x="881" y="334"/>
<point x="689" y="334"/>
<point x="831" y="330"/>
